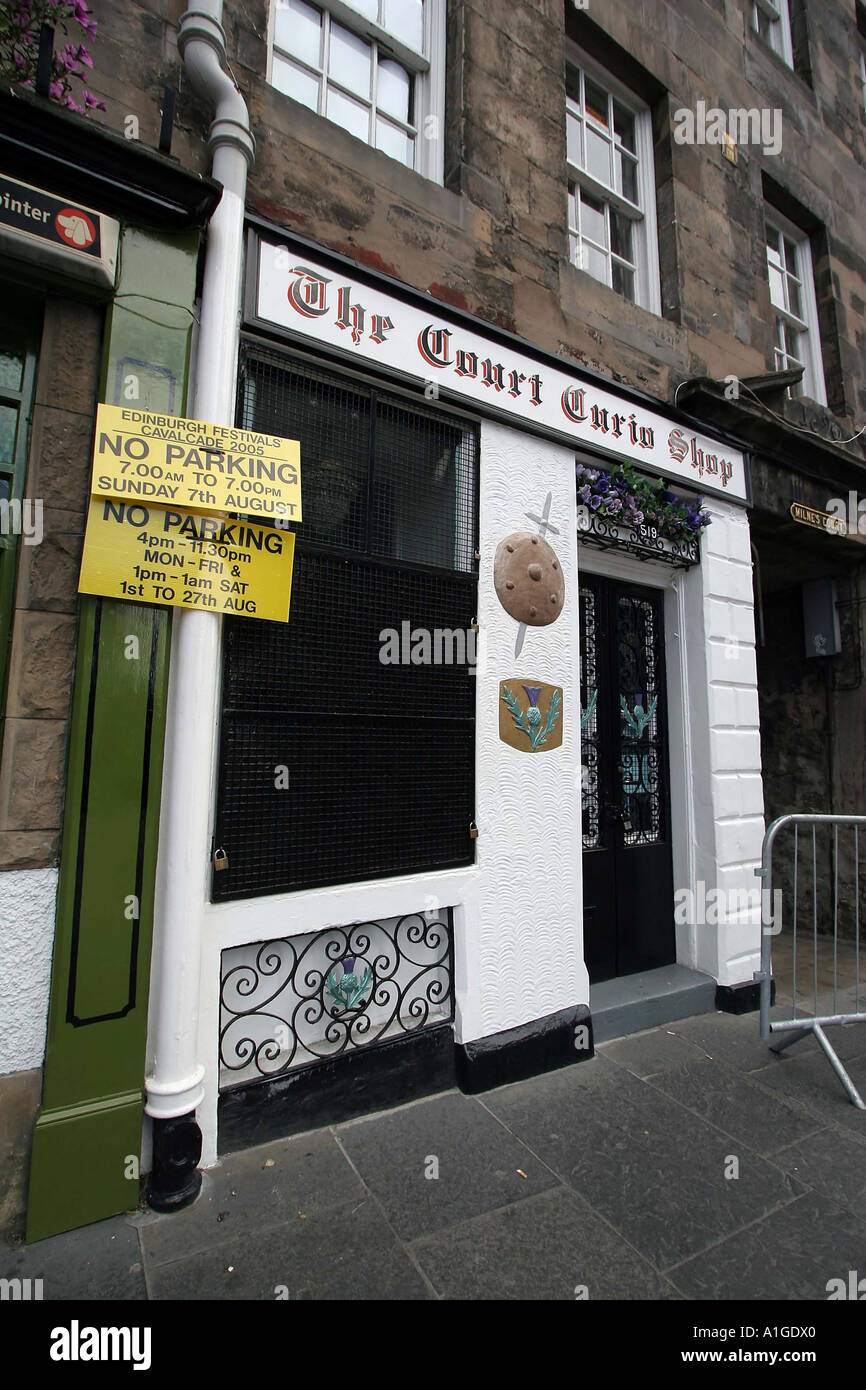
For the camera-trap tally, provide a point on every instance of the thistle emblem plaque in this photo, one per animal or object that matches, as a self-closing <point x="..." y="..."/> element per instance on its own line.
<point x="530" y="716"/>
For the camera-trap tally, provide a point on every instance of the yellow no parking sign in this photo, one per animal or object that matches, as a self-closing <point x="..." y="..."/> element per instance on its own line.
<point x="150" y="554"/>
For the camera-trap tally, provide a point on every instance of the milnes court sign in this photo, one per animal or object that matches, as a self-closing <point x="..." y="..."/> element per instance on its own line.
<point x="313" y="301"/>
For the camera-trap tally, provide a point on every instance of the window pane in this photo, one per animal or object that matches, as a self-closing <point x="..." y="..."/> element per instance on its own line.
<point x="4" y="486"/>
<point x="790" y="255"/>
<point x="596" y="102"/>
<point x="11" y="370"/>
<point x="572" y="210"/>
<point x="792" y="342"/>
<point x="777" y="284"/>
<point x="8" y="425"/>
<point x="405" y="20"/>
<point x="295" y="82"/>
<point x="392" y="89"/>
<point x="595" y="262"/>
<point x="395" y="142"/>
<point x="350" y="62"/>
<point x="298" y="29"/>
<point x="572" y="135"/>
<point x="598" y="157"/>
<point x="627" y="176"/>
<point x="349" y="114"/>
<point x="623" y="124"/>
<point x="795" y="303"/>
<point x="621" y="236"/>
<point x="592" y="220"/>
<point x="773" y="245"/>
<point x="623" y="281"/>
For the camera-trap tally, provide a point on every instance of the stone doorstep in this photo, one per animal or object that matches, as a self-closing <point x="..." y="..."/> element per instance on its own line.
<point x="632" y="1003"/>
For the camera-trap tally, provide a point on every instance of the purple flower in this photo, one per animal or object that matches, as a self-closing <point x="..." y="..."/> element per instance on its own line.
<point x="584" y="494"/>
<point x="614" y="506"/>
<point x="532" y="694"/>
<point x="348" y="965"/>
<point x="595" y="502"/>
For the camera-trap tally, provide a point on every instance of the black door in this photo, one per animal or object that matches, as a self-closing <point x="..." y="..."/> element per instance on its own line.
<point x="627" y="874"/>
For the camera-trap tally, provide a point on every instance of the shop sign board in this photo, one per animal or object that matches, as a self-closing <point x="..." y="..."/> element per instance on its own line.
<point x="821" y="520"/>
<point x="36" y="225"/>
<point x="165" y="460"/>
<point x="154" y="554"/>
<point x="296" y="292"/>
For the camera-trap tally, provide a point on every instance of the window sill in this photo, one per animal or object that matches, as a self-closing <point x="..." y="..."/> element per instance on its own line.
<point x="281" y="115"/>
<point x="764" y="49"/>
<point x="583" y="278"/>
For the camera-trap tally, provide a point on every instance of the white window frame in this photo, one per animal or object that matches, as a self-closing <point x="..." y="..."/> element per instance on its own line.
<point x="643" y="216"/>
<point x="780" y="38"/>
<point x="427" y="72"/>
<point x="813" y="384"/>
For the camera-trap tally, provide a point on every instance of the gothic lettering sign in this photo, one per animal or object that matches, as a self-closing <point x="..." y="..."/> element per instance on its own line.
<point x="296" y="292"/>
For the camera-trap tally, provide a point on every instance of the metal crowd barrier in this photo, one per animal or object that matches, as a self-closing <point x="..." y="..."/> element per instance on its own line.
<point x="793" y="1029"/>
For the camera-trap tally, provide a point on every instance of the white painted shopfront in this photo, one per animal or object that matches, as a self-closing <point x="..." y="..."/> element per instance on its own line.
<point x="517" y="911"/>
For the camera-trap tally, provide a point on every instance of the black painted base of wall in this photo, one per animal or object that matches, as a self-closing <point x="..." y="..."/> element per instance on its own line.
<point x="542" y="1045"/>
<point x="358" y="1083"/>
<point x="742" y="999"/>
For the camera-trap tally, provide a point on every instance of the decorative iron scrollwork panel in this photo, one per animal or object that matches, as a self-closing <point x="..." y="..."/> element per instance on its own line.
<point x="297" y="1001"/>
<point x="641" y="752"/>
<point x="589" y="719"/>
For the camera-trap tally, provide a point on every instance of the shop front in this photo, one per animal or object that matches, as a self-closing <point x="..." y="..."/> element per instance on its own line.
<point x="499" y="737"/>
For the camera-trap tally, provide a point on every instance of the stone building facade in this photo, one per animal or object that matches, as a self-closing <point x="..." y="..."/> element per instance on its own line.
<point x="659" y="291"/>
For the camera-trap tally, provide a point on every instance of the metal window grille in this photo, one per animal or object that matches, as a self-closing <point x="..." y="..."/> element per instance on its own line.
<point x="379" y="758"/>
<point x="294" y="1003"/>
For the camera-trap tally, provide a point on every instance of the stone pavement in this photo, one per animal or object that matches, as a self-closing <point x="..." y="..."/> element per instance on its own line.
<point x="609" y="1174"/>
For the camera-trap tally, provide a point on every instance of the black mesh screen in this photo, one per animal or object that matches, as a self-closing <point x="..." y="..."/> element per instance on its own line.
<point x="379" y="758"/>
<point x="378" y="476"/>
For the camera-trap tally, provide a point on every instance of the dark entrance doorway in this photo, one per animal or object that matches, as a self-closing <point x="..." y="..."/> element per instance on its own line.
<point x="627" y="874"/>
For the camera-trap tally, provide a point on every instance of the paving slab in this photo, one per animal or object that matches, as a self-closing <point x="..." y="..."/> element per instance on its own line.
<point x="551" y="1246"/>
<point x="792" y="1254"/>
<point x="646" y="1054"/>
<point x="348" y="1252"/>
<point x="834" y="1163"/>
<point x="808" y="1080"/>
<point x="101" y="1261"/>
<point x="737" y="1104"/>
<point x="652" y="1169"/>
<point x="731" y="1038"/>
<point x="252" y="1191"/>
<point x="480" y="1165"/>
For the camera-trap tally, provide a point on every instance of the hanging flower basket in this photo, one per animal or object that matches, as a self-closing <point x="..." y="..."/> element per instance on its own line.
<point x="621" y="507"/>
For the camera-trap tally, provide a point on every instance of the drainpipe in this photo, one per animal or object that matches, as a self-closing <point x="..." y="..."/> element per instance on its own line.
<point x="174" y="1083"/>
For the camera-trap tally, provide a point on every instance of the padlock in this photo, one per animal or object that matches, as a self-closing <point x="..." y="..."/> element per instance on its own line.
<point x="220" y="860"/>
<point x="473" y="830"/>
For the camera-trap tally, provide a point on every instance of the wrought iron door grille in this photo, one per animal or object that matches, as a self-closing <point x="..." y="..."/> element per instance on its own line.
<point x="335" y="767"/>
<point x="291" y="1003"/>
